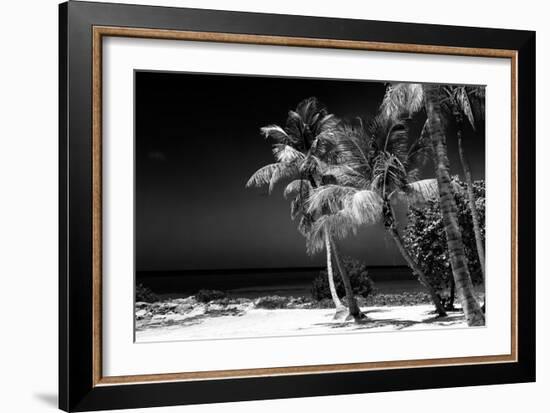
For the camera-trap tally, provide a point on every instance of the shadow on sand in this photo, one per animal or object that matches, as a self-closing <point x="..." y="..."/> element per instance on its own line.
<point x="370" y="323"/>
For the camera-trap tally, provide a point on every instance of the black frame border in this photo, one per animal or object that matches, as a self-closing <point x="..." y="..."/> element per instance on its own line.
<point x="76" y="389"/>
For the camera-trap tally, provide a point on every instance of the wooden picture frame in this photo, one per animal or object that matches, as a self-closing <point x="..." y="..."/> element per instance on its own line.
<point x="82" y="385"/>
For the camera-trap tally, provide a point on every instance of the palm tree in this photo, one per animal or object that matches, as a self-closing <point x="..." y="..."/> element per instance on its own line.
<point x="458" y="102"/>
<point x="402" y="101"/>
<point x="472" y="311"/>
<point x="298" y="149"/>
<point x="333" y="225"/>
<point x="300" y="190"/>
<point x="374" y="168"/>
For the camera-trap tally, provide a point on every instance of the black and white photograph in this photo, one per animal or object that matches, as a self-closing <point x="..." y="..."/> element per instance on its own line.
<point x="280" y="206"/>
<point x="274" y="206"/>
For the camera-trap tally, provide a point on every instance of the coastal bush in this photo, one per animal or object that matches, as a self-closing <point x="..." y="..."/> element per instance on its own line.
<point x="272" y="302"/>
<point x="324" y="303"/>
<point x="425" y="239"/>
<point x="205" y="296"/>
<point x="144" y="294"/>
<point x="361" y="284"/>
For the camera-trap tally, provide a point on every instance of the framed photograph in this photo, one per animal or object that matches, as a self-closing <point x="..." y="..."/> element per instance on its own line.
<point x="259" y="206"/>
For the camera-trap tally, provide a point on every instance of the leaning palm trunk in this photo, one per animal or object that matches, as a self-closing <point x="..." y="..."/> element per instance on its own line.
<point x="332" y="287"/>
<point x="353" y="308"/>
<point x="415" y="268"/>
<point x="459" y="265"/>
<point x="451" y="303"/>
<point x="472" y="205"/>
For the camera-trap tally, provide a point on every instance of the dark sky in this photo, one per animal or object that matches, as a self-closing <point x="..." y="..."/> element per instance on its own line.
<point x="198" y="142"/>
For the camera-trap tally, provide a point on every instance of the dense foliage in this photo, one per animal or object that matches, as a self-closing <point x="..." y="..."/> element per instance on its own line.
<point x="272" y="302"/>
<point x="361" y="284"/>
<point x="425" y="238"/>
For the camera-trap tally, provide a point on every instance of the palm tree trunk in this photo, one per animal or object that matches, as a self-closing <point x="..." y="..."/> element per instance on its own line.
<point x="416" y="269"/>
<point x="451" y="303"/>
<point x="333" y="293"/>
<point x="472" y="204"/>
<point x="353" y="308"/>
<point x="459" y="265"/>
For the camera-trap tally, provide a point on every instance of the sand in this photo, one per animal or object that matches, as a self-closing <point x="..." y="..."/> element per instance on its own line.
<point x="247" y="322"/>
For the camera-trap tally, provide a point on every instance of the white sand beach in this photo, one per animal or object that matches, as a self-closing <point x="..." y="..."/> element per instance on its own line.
<point x="246" y="321"/>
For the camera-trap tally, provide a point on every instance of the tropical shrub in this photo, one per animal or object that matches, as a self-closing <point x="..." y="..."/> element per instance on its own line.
<point x="361" y="284"/>
<point x="425" y="238"/>
<point x="272" y="302"/>
<point x="325" y="303"/>
<point x="205" y="296"/>
<point x="144" y="294"/>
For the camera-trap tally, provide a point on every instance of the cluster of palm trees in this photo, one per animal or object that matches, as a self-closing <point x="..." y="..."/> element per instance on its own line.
<point x="344" y="174"/>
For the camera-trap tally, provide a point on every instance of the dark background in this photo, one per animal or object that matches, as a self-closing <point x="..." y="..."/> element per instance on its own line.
<point x="197" y="143"/>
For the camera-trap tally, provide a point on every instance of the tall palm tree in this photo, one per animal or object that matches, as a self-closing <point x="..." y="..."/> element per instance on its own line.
<point x="300" y="190"/>
<point x="457" y="101"/>
<point x="299" y="148"/>
<point x="472" y="311"/>
<point x="376" y="166"/>
<point x="402" y="101"/>
<point x="334" y="225"/>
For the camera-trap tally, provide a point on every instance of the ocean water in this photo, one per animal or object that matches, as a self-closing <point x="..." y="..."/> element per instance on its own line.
<point x="256" y="283"/>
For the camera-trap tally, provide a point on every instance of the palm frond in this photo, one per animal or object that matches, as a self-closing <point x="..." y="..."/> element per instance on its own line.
<point x="305" y="224"/>
<point x="346" y="175"/>
<point x="323" y="146"/>
<point x="413" y="174"/>
<point x="389" y="135"/>
<point x="294" y="125"/>
<point x="420" y="192"/>
<point x="352" y="146"/>
<point x="296" y="207"/>
<point x="402" y="100"/>
<point x="298" y="186"/>
<point x="310" y="108"/>
<point x="397" y="140"/>
<point x="315" y="239"/>
<point x="329" y="198"/>
<point x="285" y="171"/>
<point x="311" y="166"/>
<point x="262" y="176"/>
<point x="326" y="123"/>
<point x="420" y="150"/>
<point x="388" y="174"/>
<point x="339" y="225"/>
<point x="365" y="206"/>
<point x="476" y="95"/>
<point x="286" y="153"/>
<point x="271" y="174"/>
<point x="464" y="104"/>
<point x="275" y="132"/>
